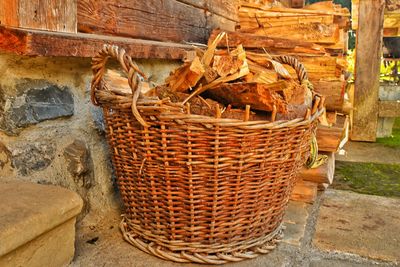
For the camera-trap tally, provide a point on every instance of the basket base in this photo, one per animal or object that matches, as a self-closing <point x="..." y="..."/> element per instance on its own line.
<point x="262" y="246"/>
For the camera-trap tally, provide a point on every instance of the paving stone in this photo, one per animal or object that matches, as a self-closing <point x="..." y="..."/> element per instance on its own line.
<point x="37" y="224"/>
<point x="110" y="250"/>
<point x="30" y="157"/>
<point x="34" y="101"/>
<point x="295" y="221"/>
<point x="359" y="224"/>
<point x="341" y="263"/>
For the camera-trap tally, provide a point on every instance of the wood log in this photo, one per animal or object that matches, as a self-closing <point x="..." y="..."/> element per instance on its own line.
<point x="50" y="15"/>
<point x="259" y="96"/>
<point x="44" y="43"/>
<point x="253" y="41"/>
<point x="312" y="32"/>
<point x="330" y="138"/>
<point x="322" y="174"/>
<point x="333" y="90"/>
<point x="304" y="191"/>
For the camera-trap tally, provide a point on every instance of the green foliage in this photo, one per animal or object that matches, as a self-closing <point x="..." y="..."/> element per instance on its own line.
<point x="368" y="178"/>
<point x="394" y="140"/>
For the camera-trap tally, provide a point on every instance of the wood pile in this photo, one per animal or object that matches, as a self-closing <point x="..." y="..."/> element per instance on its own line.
<point x="317" y="36"/>
<point x="234" y="81"/>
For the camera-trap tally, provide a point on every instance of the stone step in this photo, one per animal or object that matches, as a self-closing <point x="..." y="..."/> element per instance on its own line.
<point x="37" y="224"/>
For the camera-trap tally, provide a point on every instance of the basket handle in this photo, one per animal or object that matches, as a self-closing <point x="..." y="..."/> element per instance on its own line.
<point x="131" y="69"/>
<point x="297" y="66"/>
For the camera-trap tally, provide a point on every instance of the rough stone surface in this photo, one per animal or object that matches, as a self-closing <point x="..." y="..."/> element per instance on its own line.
<point x="36" y="101"/>
<point x="53" y="248"/>
<point x="339" y="263"/>
<point x="385" y="127"/>
<point x="30" y="157"/>
<point x="29" y="210"/>
<point x="360" y="224"/>
<point x="78" y="160"/>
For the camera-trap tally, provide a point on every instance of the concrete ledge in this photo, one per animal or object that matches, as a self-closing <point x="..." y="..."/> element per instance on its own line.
<point x="29" y="210"/>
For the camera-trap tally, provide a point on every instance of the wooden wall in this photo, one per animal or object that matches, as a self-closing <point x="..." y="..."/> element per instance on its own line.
<point x="161" y="20"/>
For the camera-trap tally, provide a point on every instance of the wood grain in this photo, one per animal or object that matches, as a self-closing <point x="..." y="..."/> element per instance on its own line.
<point x="161" y="20"/>
<point x="51" y="15"/>
<point x="322" y="174"/>
<point x="43" y="43"/>
<point x="369" y="47"/>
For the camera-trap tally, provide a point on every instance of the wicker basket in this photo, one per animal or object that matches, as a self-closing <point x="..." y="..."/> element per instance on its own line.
<point x="195" y="188"/>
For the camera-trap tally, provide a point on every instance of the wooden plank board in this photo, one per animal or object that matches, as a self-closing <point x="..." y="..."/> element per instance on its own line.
<point x="43" y="43"/>
<point x="304" y="191"/>
<point x="51" y="15"/>
<point x="389" y="109"/>
<point x="369" y="47"/>
<point x="322" y="174"/>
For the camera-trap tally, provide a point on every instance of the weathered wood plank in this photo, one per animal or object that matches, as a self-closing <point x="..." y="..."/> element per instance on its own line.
<point x="304" y="191"/>
<point x="322" y="174"/>
<point x="43" y="43"/>
<point x="369" y="46"/>
<point x="161" y="20"/>
<point x="390" y="109"/>
<point x="51" y="15"/>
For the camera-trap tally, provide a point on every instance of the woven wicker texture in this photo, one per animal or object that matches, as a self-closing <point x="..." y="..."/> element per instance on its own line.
<point x="196" y="188"/>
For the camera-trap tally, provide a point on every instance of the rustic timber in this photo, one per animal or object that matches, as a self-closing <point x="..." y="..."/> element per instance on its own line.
<point x="333" y="90"/>
<point x="368" y="46"/>
<point x="322" y="174"/>
<point x="161" y="20"/>
<point x="304" y="191"/>
<point x="259" y="96"/>
<point x="389" y="109"/>
<point x="51" y="15"/>
<point x="43" y="43"/>
<point x="329" y="138"/>
<point x="253" y="41"/>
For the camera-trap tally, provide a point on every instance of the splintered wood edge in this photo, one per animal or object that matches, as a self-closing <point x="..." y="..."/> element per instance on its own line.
<point x="44" y="43"/>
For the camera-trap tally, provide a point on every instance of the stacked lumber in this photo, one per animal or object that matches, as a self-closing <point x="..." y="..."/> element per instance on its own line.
<point x="317" y="36"/>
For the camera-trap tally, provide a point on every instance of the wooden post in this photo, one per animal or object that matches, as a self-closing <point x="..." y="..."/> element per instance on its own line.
<point x="368" y="55"/>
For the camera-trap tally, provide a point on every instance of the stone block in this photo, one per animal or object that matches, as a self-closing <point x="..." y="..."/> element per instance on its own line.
<point x="30" y="157"/>
<point x="365" y="225"/>
<point x="37" y="224"/>
<point x="78" y="158"/>
<point x="53" y="248"/>
<point x="295" y="221"/>
<point x="33" y="101"/>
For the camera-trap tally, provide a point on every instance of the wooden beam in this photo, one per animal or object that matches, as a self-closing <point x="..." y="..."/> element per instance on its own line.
<point x="161" y="20"/>
<point x="369" y="46"/>
<point x="333" y="90"/>
<point x="389" y="109"/>
<point x="43" y="43"/>
<point x="322" y="174"/>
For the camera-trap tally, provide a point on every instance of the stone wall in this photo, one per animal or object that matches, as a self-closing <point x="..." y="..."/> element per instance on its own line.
<point x="50" y="133"/>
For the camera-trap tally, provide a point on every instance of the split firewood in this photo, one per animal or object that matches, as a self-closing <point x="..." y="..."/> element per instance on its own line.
<point x="259" y="96"/>
<point x="186" y="76"/>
